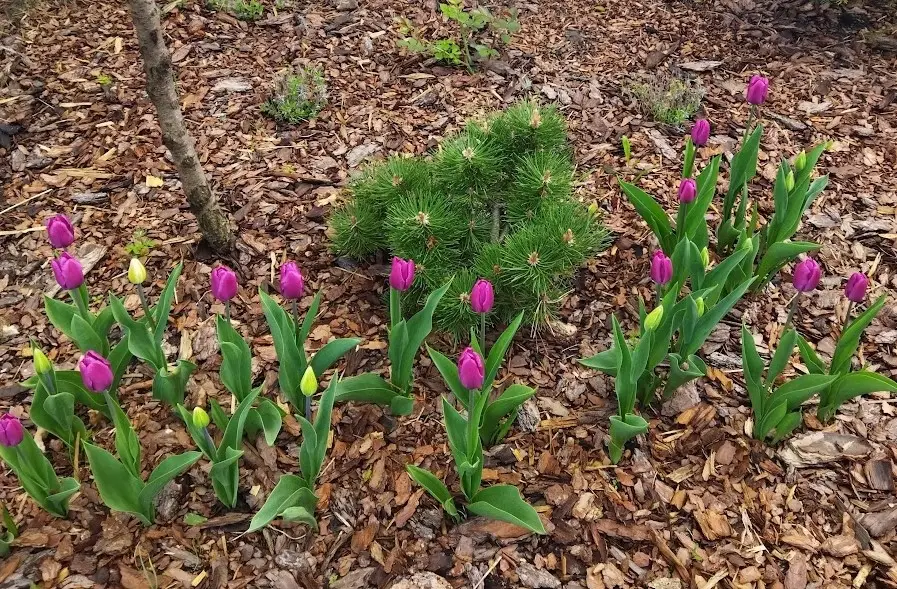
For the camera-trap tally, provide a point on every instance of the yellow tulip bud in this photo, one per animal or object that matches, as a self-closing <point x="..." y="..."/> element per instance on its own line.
<point x="652" y="321"/>
<point x="699" y="303"/>
<point x="200" y="417"/>
<point x="309" y="383"/>
<point x="800" y="161"/>
<point x="42" y="364"/>
<point x="789" y="181"/>
<point x="136" y="272"/>
<point x="593" y="209"/>
<point x="705" y="257"/>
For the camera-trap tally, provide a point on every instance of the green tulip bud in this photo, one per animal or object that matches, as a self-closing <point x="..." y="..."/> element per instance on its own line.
<point x="136" y="272"/>
<point x="705" y="257"/>
<point x="42" y="364"/>
<point x="309" y="383"/>
<point x="789" y="181"/>
<point x="200" y="418"/>
<point x="593" y="209"/>
<point x="699" y="303"/>
<point x="800" y="161"/>
<point x="652" y="321"/>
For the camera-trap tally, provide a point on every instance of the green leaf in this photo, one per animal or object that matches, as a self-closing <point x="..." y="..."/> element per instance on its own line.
<point x="852" y="385"/>
<point x="695" y="219"/>
<point x="814" y="363"/>
<point x="498" y="351"/>
<point x="126" y="443"/>
<point x="767" y="421"/>
<point x="753" y="372"/>
<point x="623" y="429"/>
<point x="744" y="164"/>
<point x="60" y="315"/>
<point x="119" y="489"/>
<point x="365" y="388"/>
<point x="140" y="340"/>
<point x="322" y="425"/>
<point x="678" y="376"/>
<point x="119" y="358"/>
<point x="652" y="213"/>
<point x="782" y="356"/>
<point x="61" y="407"/>
<point x="225" y="475"/>
<point x="300" y="514"/>
<point x="290" y="358"/>
<point x="85" y="337"/>
<point x="434" y="487"/>
<point x="163" y="308"/>
<point x="309" y="320"/>
<point x="502" y="408"/>
<point x="401" y="405"/>
<point x="170" y="386"/>
<point x="786" y="425"/>
<point x="236" y="359"/>
<point x="850" y="339"/>
<point x="504" y="503"/>
<point x="167" y="470"/>
<point x="779" y="254"/>
<point x="624" y="384"/>
<point x="449" y="372"/>
<point x="712" y="317"/>
<point x="331" y="352"/>
<point x="797" y="391"/>
<point x="194" y="519"/>
<point x="233" y="435"/>
<point x="271" y="419"/>
<point x="284" y="495"/>
<point x="605" y="361"/>
<point x="419" y="327"/>
<point x="58" y="502"/>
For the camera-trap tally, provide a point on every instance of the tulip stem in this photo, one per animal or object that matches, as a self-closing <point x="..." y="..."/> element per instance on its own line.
<point x="791" y="310"/>
<point x="79" y="296"/>
<point x="747" y="129"/>
<point x="850" y="306"/>
<point x="308" y="408"/>
<point x="146" y="307"/>
<point x="395" y="307"/>
<point x="483" y="333"/>
<point x="227" y="310"/>
<point x="681" y="216"/>
<point x="689" y="164"/>
<point x="209" y="440"/>
<point x="296" y="317"/>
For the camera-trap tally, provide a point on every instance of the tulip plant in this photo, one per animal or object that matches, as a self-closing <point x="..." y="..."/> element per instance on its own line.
<point x="20" y="453"/>
<point x="10" y="531"/>
<point x="293" y="497"/>
<point x="145" y="338"/>
<point x="53" y="402"/>
<point x="847" y="383"/>
<point x="118" y="478"/>
<point x="405" y="339"/>
<point x="471" y="379"/>
<point x="465" y="438"/>
<point x="289" y="334"/>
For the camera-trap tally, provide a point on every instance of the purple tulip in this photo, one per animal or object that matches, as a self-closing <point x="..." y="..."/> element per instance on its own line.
<point x="60" y="231"/>
<point x="688" y="189"/>
<point x="96" y="372"/>
<point x="856" y="286"/>
<point x="471" y="370"/>
<point x="402" y="274"/>
<point x="482" y="296"/>
<point x="292" y="285"/>
<point x="757" y="89"/>
<point x="700" y="132"/>
<point x="807" y="275"/>
<point x="224" y="283"/>
<point x="11" y="431"/>
<point x="661" y="268"/>
<point x="68" y="271"/>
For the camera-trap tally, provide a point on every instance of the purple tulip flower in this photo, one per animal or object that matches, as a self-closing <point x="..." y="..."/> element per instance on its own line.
<point x="224" y="283"/>
<point x="96" y="372"/>
<point x="68" y="271"/>
<point x="482" y="296"/>
<point x="402" y="274"/>
<point x="661" y="268"/>
<point x="688" y="189"/>
<point x="856" y="286"/>
<point x="807" y="275"/>
<point x="292" y="285"/>
<point x="700" y="132"/>
<point x="60" y="231"/>
<point x="11" y="431"/>
<point x="757" y="90"/>
<point x="471" y="370"/>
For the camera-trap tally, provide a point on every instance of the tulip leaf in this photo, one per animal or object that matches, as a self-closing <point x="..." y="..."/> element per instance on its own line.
<point x="850" y="339"/>
<point x="712" y="317"/>
<point x="236" y="359"/>
<point x="310" y="316"/>
<point x="284" y="495"/>
<point x="170" y="386"/>
<point x="652" y="213"/>
<point x="291" y="359"/>
<point x="419" y="327"/>
<point x="852" y="385"/>
<point x="744" y="164"/>
<point x="504" y="503"/>
<point x="682" y="372"/>
<point x="233" y="434"/>
<point x="271" y="419"/>
<point x="140" y="340"/>
<point x="501" y="413"/>
<point x="814" y="363"/>
<point x="167" y="470"/>
<point x="605" y="361"/>
<point x="119" y="489"/>
<point x="498" y="351"/>
<point x="163" y="307"/>
<point x="623" y="429"/>
<point x="435" y="487"/>
<point x="331" y="352"/>
<point x="225" y="475"/>
<point x="365" y="388"/>
<point x="300" y="514"/>
<point x="85" y="337"/>
<point x="449" y="372"/>
<point x="779" y="254"/>
<point x="782" y="356"/>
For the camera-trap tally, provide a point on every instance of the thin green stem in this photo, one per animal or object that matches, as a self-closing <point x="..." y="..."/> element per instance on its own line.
<point x="308" y="408"/>
<point x="395" y="307"/>
<point x="747" y="128"/>
<point x="295" y="306"/>
<point x="791" y="311"/>
<point x="850" y="306"/>
<point x="483" y="334"/>
<point x="689" y="163"/>
<point x="146" y="307"/>
<point x="81" y="303"/>
<point x="227" y="311"/>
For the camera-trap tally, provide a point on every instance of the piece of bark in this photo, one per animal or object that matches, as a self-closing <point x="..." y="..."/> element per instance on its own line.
<point x="822" y="448"/>
<point x="880" y="475"/>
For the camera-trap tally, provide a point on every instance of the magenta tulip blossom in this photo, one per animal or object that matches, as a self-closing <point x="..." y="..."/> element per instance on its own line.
<point x="402" y="274"/>
<point x="68" y="271"/>
<point x="856" y="286"/>
<point x="292" y="285"/>
<point x="60" y="231"/>
<point x="482" y="296"/>
<point x="96" y="372"/>
<point x="661" y="268"/>
<point x="224" y="283"/>
<point x="700" y="132"/>
<point x="471" y="370"/>
<point x="11" y="431"/>
<point x="757" y="90"/>
<point x="688" y="189"/>
<point x="807" y="275"/>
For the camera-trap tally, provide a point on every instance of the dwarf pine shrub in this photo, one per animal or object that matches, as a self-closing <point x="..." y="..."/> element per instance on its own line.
<point x="495" y="201"/>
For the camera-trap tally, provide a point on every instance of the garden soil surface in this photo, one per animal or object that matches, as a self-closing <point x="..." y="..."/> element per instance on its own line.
<point x="695" y="503"/>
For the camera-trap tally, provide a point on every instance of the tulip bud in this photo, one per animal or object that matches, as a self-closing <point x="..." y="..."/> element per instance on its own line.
<point x="800" y="161"/>
<point x="856" y="286"/>
<point x="807" y="275"/>
<point x="68" y="271"/>
<point x="661" y="268"/>
<point x="42" y="364"/>
<point x="96" y="372"/>
<point x="136" y="271"/>
<point x="60" y="231"/>
<point x="292" y="284"/>
<point x="789" y="181"/>
<point x="653" y="319"/>
<point x="309" y="383"/>
<point x="700" y="132"/>
<point x="471" y="371"/>
<point x="757" y="90"/>
<point x="593" y="209"/>
<point x="688" y="189"/>
<point x="224" y="283"/>
<point x="705" y="256"/>
<point x="701" y="305"/>
<point x="402" y="274"/>
<point x="200" y="418"/>
<point x="11" y="431"/>
<point x="482" y="296"/>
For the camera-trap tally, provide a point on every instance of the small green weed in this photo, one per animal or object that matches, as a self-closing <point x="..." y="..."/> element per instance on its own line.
<point x="298" y="96"/>
<point x="669" y="100"/>
<point x="140" y="244"/>
<point x="242" y="9"/>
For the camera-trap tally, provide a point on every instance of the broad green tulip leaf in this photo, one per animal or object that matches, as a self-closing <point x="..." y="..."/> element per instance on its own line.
<point x="167" y="470"/>
<point x="812" y="360"/>
<point x="797" y="391"/>
<point x="504" y="503"/>
<point x="744" y="164"/>
<point x="284" y="495"/>
<point x="365" y="388"/>
<point x="652" y="213"/>
<point x="435" y="487"/>
<point x="780" y="253"/>
<point x="140" y="340"/>
<point x="119" y="358"/>
<point x="85" y="336"/>
<point x="331" y="352"/>
<point x="449" y="372"/>
<point x="498" y="351"/>
<point x="786" y="425"/>
<point x="401" y="405"/>
<point x="753" y="371"/>
<point x="271" y="420"/>
<point x="621" y="431"/>
<point x="233" y="435"/>
<point x="419" y="327"/>
<point x="171" y="386"/>
<point x="236" y="360"/>
<point x="301" y="515"/>
<point x="682" y="372"/>
<point x="60" y="315"/>
<point x="781" y="357"/>
<point x="291" y="359"/>
<point x="501" y="409"/>
<point x="852" y="385"/>
<point x="712" y="317"/>
<point x="119" y="489"/>
<point x="163" y="307"/>
<point x="850" y="339"/>
<point x="58" y="502"/>
<point x="605" y="361"/>
<point x="225" y="475"/>
<point x="310" y="315"/>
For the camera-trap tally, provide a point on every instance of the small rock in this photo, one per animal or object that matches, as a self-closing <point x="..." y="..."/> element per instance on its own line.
<point x="685" y="397"/>
<point x="168" y="501"/>
<point x="290" y="560"/>
<point x="359" y="153"/>
<point x="535" y="578"/>
<point x="426" y="580"/>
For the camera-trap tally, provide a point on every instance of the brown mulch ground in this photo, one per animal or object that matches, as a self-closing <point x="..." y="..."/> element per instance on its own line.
<point x="696" y="503"/>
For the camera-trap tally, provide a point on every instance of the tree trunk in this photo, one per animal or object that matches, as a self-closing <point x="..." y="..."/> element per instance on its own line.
<point x="213" y="222"/>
